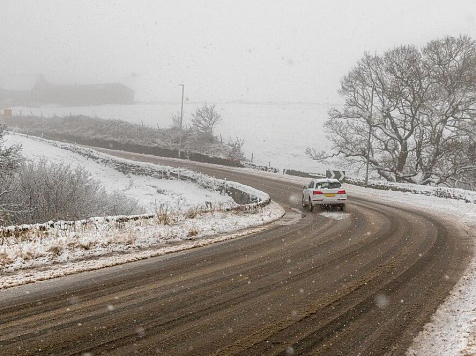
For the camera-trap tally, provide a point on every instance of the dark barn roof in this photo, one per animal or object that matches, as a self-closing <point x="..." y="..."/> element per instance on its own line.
<point x="90" y="94"/>
<point x="44" y="92"/>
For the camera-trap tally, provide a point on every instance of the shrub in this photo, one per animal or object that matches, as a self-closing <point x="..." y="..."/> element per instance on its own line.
<point x="192" y="232"/>
<point x="204" y="121"/>
<point x="44" y="191"/>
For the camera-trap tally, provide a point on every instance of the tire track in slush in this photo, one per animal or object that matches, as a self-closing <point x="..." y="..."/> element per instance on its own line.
<point x="236" y="297"/>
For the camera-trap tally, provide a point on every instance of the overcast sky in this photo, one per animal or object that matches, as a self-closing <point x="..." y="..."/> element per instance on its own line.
<point x="222" y="50"/>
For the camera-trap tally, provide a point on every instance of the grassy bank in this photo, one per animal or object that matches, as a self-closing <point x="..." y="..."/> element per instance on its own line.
<point x="122" y="135"/>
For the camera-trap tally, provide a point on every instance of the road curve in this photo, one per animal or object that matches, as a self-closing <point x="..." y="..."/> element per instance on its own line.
<point x="364" y="284"/>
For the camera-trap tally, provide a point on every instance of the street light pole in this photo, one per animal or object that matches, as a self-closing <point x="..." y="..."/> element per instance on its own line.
<point x="369" y="138"/>
<point x="181" y="121"/>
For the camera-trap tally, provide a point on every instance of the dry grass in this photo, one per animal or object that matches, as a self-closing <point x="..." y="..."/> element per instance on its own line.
<point x="131" y="238"/>
<point x="56" y="250"/>
<point x="164" y="215"/>
<point x="86" y="245"/>
<point x="192" y="213"/>
<point x="5" y="259"/>
<point x="192" y="232"/>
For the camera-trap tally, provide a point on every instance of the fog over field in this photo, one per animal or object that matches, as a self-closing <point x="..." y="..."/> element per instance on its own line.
<point x="280" y="51"/>
<point x="223" y="52"/>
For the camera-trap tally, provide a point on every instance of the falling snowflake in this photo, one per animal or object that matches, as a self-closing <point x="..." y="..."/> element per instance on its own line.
<point x="140" y="331"/>
<point x="381" y="300"/>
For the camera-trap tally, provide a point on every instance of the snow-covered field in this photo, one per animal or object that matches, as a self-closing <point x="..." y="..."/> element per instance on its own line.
<point x="150" y="192"/>
<point x="269" y="130"/>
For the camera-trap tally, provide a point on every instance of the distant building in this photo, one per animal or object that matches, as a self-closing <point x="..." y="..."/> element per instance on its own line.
<point x="44" y="92"/>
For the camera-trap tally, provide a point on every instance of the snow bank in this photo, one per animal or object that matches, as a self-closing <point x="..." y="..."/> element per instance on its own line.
<point x="72" y="241"/>
<point x="45" y="255"/>
<point x="248" y="197"/>
<point x="31" y="247"/>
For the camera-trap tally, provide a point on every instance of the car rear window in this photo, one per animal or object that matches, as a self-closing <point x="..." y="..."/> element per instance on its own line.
<point x="330" y="185"/>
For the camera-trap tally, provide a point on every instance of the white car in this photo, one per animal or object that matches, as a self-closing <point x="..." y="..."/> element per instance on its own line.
<point x="324" y="192"/>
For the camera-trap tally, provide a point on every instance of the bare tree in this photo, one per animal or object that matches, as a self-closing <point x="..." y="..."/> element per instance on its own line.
<point x="413" y="104"/>
<point x="381" y="100"/>
<point x="205" y="119"/>
<point x="236" y="149"/>
<point x="449" y="114"/>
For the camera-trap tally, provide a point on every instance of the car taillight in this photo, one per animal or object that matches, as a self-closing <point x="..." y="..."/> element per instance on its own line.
<point x="341" y="192"/>
<point x="317" y="192"/>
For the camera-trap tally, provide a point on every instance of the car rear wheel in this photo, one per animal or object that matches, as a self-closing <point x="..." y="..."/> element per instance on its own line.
<point x="303" y="202"/>
<point x="311" y="207"/>
<point x="342" y="207"/>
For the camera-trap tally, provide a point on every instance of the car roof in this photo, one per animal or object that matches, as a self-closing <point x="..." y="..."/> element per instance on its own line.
<point x="321" y="180"/>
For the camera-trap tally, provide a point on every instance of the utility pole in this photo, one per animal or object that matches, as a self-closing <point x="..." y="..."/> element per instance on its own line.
<point x="181" y="121"/>
<point x="369" y="138"/>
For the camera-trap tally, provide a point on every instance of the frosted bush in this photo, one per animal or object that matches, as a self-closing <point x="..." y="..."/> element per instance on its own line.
<point x="42" y="191"/>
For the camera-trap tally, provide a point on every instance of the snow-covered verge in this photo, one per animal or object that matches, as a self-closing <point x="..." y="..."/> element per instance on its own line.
<point x="440" y="192"/>
<point x="38" y="254"/>
<point x="38" y="251"/>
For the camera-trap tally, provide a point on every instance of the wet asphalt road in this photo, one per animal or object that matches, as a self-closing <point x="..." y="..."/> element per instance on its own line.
<point x="363" y="284"/>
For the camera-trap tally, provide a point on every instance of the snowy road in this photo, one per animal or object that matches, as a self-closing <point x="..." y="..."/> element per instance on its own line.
<point x="360" y="283"/>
